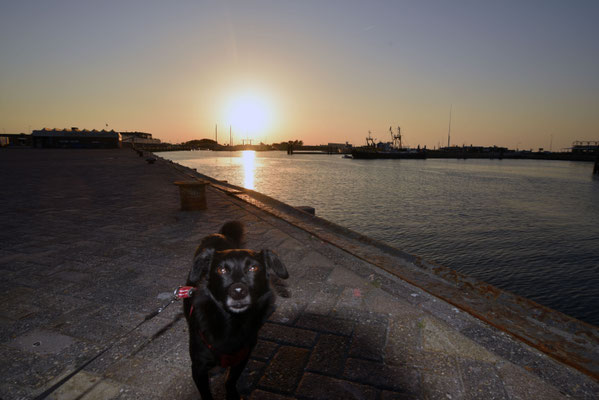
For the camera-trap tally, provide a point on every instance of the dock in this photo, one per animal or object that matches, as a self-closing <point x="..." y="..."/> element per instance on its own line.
<point x="94" y="241"/>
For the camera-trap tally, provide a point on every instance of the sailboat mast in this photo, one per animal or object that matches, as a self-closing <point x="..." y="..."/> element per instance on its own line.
<point x="449" y="132"/>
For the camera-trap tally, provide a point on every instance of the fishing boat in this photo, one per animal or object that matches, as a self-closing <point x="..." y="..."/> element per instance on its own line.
<point x="388" y="150"/>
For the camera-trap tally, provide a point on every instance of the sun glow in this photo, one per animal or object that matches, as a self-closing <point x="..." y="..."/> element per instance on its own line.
<point x="249" y="114"/>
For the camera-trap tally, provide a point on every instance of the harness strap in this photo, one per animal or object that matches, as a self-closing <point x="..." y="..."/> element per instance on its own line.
<point x="226" y="360"/>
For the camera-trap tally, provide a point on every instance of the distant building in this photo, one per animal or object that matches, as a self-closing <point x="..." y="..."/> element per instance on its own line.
<point x="138" y="138"/>
<point x="340" y="147"/>
<point x="583" y="147"/>
<point x="15" y="139"/>
<point x="75" y="138"/>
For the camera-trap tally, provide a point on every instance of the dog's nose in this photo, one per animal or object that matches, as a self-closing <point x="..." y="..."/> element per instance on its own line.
<point x="238" y="291"/>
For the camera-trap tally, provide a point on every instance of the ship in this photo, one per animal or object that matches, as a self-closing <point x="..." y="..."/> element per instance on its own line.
<point x="388" y="150"/>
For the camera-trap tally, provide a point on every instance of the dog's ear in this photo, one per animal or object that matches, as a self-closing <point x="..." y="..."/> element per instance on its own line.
<point x="201" y="265"/>
<point x="273" y="263"/>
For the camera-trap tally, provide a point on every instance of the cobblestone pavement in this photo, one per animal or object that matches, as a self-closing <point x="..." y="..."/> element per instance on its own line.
<point x="93" y="241"/>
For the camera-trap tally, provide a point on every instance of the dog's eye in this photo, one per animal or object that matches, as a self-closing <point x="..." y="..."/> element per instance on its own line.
<point x="222" y="270"/>
<point x="253" y="268"/>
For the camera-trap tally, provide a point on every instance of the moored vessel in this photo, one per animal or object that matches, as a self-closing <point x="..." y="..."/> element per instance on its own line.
<point x="387" y="150"/>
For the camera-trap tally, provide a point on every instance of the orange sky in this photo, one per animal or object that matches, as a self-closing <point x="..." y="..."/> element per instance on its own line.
<point x="516" y="74"/>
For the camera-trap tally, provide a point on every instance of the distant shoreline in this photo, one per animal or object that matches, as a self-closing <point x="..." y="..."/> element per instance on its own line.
<point x="436" y="154"/>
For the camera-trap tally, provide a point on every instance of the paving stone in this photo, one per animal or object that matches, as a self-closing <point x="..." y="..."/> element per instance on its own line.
<point x="314" y="386"/>
<point x="17" y="392"/>
<point x="387" y="395"/>
<point x="141" y="373"/>
<point x="369" y="340"/>
<point x="168" y="345"/>
<point x="288" y="310"/>
<point x="326" y="324"/>
<point x="399" y="379"/>
<point x="128" y="392"/>
<point x="403" y="339"/>
<point x="263" y="395"/>
<point x="120" y="350"/>
<point x="264" y="350"/>
<point x="438" y="337"/>
<point x="344" y="277"/>
<point x="251" y="375"/>
<point x="15" y="309"/>
<point x="481" y="380"/>
<point x="285" y="370"/>
<point x="43" y="342"/>
<point x="329" y="354"/>
<point x="182" y="387"/>
<point x="381" y="302"/>
<point x="86" y="386"/>
<point x="287" y="335"/>
<point x="322" y="303"/>
<point x="521" y="384"/>
<point x="33" y="370"/>
<point x="442" y="385"/>
<point x="316" y="266"/>
<point x="448" y="313"/>
<point x="87" y="328"/>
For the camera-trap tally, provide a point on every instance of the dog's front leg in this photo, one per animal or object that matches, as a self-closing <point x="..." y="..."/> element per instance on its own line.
<point x="231" y="382"/>
<point x="200" y="377"/>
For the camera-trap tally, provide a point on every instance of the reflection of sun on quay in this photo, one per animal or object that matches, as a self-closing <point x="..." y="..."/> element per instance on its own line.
<point x="248" y="159"/>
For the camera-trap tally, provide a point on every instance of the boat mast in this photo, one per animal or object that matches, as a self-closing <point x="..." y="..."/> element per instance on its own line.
<point x="449" y="132"/>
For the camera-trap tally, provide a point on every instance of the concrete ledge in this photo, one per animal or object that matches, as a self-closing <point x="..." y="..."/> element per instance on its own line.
<point x="568" y="340"/>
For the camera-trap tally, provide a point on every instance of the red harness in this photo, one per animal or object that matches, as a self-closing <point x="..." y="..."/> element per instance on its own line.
<point x="226" y="360"/>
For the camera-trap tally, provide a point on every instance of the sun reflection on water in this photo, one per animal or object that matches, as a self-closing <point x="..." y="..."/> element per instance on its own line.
<point x="248" y="160"/>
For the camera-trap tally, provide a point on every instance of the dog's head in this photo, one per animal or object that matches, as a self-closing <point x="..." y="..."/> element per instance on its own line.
<point x="236" y="278"/>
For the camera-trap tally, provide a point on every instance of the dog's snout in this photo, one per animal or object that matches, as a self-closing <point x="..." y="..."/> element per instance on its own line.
<point x="238" y="291"/>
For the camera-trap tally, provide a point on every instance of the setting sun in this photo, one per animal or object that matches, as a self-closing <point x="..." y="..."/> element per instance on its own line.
<point x="250" y="114"/>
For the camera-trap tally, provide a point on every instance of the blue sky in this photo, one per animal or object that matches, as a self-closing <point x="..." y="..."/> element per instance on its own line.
<point x="516" y="73"/>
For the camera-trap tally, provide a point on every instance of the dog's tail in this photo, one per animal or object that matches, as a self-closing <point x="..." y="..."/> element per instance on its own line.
<point x="233" y="231"/>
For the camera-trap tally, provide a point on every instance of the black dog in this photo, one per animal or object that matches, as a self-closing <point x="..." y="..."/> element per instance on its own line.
<point x="230" y="301"/>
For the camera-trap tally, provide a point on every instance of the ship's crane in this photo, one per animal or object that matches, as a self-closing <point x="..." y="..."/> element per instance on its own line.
<point x="396" y="138"/>
<point x="370" y="141"/>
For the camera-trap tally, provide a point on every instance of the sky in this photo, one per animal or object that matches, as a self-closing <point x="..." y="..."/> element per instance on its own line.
<point x="521" y="74"/>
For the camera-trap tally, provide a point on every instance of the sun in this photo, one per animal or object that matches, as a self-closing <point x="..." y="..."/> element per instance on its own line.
<point x="249" y="113"/>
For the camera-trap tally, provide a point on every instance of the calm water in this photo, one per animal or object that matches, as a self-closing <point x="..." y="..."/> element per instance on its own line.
<point x="527" y="226"/>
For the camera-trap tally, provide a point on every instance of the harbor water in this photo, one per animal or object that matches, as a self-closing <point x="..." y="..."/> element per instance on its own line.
<point x="527" y="226"/>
